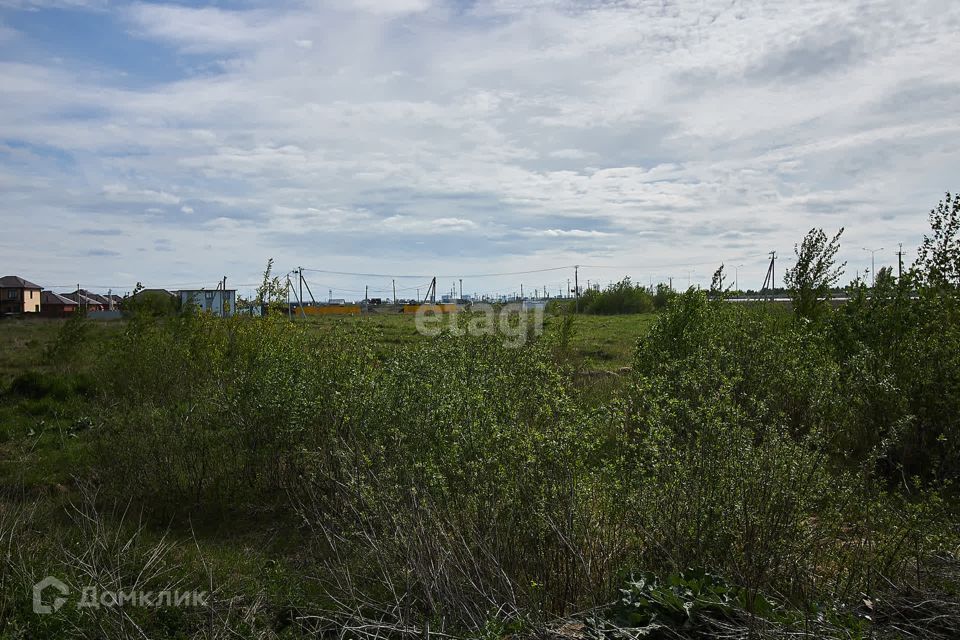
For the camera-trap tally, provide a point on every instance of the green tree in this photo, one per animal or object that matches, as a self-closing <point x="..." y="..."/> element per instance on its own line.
<point x="938" y="262"/>
<point x="663" y="296"/>
<point x="271" y="292"/>
<point x="150" y="303"/>
<point x="620" y="297"/>
<point x="718" y="288"/>
<point x="815" y="273"/>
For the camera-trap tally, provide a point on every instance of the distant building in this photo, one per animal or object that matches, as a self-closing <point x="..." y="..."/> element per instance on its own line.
<point x="86" y="302"/>
<point x="534" y="305"/>
<point x="54" y="305"/>
<point x="219" y="302"/>
<point x="107" y="302"/>
<point x="18" y="295"/>
<point x="89" y="295"/>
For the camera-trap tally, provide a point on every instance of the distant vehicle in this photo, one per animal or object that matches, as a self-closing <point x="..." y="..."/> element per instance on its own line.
<point x="337" y="301"/>
<point x="375" y="301"/>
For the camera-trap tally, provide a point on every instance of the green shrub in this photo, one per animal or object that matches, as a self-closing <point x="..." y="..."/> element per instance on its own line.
<point x="621" y="297"/>
<point x="37" y="385"/>
<point x="899" y="350"/>
<point x="208" y="412"/>
<point x="71" y="341"/>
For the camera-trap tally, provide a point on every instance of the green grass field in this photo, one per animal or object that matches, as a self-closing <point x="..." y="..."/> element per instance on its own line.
<point x="599" y="342"/>
<point x="39" y="443"/>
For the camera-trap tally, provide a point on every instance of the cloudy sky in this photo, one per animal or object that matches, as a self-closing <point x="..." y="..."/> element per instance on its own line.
<point x="174" y="143"/>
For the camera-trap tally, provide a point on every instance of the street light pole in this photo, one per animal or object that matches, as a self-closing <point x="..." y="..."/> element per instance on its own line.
<point x="873" y="273"/>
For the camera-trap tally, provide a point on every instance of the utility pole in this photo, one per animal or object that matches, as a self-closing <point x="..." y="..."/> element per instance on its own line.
<point x="900" y="262"/>
<point x="873" y="273"/>
<point x="299" y="273"/>
<point x="521" y="291"/>
<point x="461" y="288"/>
<point x="773" y="268"/>
<point x="289" y="308"/>
<point x="670" y="279"/>
<point x="568" y="287"/>
<point x="366" y="293"/>
<point x="576" y="286"/>
<point x="394" y="292"/>
<point x="769" y="281"/>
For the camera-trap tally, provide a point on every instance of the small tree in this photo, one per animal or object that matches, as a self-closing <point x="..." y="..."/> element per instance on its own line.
<point x="718" y="288"/>
<point x="938" y="262"/>
<point x="815" y="273"/>
<point x="271" y="293"/>
<point x="663" y="296"/>
<point x="150" y="303"/>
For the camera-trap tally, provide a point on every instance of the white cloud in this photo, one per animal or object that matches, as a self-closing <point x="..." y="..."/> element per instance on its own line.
<point x="123" y="193"/>
<point x="390" y="7"/>
<point x="572" y="233"/>
<point x="571" y="154"/>
<point x="201" y="29"/>
<point x="407" y="224"/>
<point x="33" y="5"/>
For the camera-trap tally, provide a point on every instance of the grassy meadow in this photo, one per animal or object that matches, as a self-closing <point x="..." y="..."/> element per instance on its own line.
<point x="708" y="470"/>
<point x="600" y="342"/>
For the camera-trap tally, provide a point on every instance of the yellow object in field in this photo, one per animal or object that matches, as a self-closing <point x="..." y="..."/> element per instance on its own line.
<point x="334" y="309"/>
<point x="436" y="308"/>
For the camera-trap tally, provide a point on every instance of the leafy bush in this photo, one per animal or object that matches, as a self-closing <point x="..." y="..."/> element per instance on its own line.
<point x="71" y="340"/>
<point x="151" y="303"/>
<point x="679" y="601"/>
<point x="621" y="297"/>
<point x="465" y="473"/>
<point x="209" y="412"/>
<point x="898" y="348"/>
